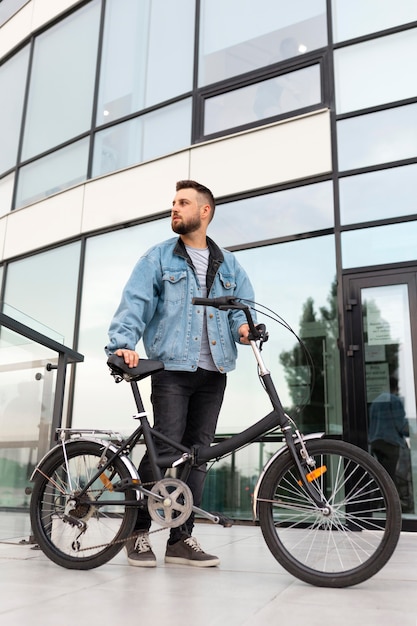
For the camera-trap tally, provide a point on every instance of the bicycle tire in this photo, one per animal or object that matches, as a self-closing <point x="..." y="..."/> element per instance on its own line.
<point x="345" y="547"/>
<point x="106" y="527"/>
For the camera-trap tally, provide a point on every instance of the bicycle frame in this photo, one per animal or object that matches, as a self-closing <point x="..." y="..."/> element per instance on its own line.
<point x="193" y="457"/>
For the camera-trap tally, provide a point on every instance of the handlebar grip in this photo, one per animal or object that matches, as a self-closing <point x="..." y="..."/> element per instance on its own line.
<point x="222" y="301"/>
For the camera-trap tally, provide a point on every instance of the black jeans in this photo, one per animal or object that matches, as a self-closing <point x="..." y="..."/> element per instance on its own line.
<point x="186" y="408"/>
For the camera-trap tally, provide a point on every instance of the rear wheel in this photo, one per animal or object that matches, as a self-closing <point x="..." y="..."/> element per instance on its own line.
<point x="74" y="532"/>
<point x="351" y="540"/>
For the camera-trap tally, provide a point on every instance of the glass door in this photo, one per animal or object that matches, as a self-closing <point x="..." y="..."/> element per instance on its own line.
<point x="380" y="360"/>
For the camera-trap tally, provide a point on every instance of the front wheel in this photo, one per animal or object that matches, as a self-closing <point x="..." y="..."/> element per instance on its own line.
<point x="81" y="532"/>
<point x="350" y="539"/>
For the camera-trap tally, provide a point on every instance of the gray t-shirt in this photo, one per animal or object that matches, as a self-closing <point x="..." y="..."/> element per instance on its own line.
<point x="200" y="259"/>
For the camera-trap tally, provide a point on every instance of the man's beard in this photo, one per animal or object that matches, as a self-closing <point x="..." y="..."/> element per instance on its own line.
<point x="184" y="228"/>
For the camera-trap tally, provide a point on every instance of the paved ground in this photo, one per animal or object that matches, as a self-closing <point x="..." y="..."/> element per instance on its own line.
<point x="249" y="588"/>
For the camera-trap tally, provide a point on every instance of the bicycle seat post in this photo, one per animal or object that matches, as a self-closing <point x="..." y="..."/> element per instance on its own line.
<point x="137" y="396"/>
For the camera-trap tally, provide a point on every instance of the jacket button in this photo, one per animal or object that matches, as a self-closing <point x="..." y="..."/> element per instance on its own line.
<point x="211" y="316"/>
<point x="227" y="284"/>
<point x="213" y="343"/>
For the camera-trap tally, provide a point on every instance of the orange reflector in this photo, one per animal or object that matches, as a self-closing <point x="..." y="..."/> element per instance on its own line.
<point x="319" y="471"/>
<point x="106" y="482"/>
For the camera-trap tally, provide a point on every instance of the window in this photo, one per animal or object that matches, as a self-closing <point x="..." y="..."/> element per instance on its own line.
<point x="297" y="281"/>
<point x="9" y="8"/>
<point x="269" y="98"/>
<point x="375" y="72"/>
<point x="393" y="243"/>
<point x="289" y="212"/>
<point x="146" y="137"/>
<point x="44" y="287"/>
<point x="238" y="38"/>
<point x="13" y="76"/>
<point x="147" y="55"/>
<point x="360" y="17"/>
<point x="105" y="275"/>
<point x="379" y="137"/>
<point x="62" y="82"/>
<point x="52" y="173"/>
<point x="378" y="195"/>
<point x="6" y="193"/>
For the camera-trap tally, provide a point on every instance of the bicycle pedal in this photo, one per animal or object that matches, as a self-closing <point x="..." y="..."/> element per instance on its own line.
<point x="227" y="522"/>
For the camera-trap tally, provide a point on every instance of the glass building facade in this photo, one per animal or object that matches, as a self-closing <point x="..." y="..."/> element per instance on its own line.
<point x="302" y="119"/>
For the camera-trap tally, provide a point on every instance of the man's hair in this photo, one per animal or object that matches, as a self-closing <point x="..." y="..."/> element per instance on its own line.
<point x="201" y="189"/>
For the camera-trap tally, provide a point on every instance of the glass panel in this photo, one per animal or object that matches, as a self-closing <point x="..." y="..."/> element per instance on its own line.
<point x="378" y="195"/>
<point x="289" y="212"/>
<point x="297" y="280"/>
<point x="360" y="17"/>
<point x="62" y="81"/>
<point x="26" y="406"/>
<point x="44" y="286"/>
<point x="234" y="41"/>
<point x="383" y="244"/>
<point x="132" y="41"/>
<point x="105" y="275"/>
<point x="143" y="138"/>
<point x="9" y="8"/>
<point x="6" y="193"/>
<point x="13" y="76"/>
<point x="380" y="137"/>
<point x="268" y="98"/>
<point x="55" y="172"/>
<point x="390" y="391"/>
<point x="374" y="72"/>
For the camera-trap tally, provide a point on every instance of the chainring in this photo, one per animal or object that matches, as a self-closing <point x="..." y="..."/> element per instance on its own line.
<point x="173" y="502"/>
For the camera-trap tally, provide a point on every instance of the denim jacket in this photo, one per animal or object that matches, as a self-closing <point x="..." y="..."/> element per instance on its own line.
<point x="156" y="305"/>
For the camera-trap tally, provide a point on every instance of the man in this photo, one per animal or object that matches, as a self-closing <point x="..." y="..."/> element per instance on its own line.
<point x="197" y="349"/>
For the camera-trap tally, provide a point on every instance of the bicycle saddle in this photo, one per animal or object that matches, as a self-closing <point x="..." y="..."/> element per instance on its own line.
<point x="144" y="368"/>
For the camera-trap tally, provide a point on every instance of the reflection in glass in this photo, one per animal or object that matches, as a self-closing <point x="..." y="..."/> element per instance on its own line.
<point x="379" y="245"/>
<point x="105" y="275"/>
<point x="296" y="280"/>
<point x="62" y="81"/>
<point x="55" y="172"/>
<point x="12" y="82"/>
<point x="6" y="193"/>
<point x="378" y="195"/>
<point x="379" y="137"/>
<point x="44" y="287"/>
<point x="268" y="98"/>
<point x="360" y="17"/>
<point x="289" y="212"/>
<point x="374" y="72"/>
<point x="156" y="64"/>
<point x="146" y="137"/>
<point x="389" y="376"/>
<point x="234" y="41"/>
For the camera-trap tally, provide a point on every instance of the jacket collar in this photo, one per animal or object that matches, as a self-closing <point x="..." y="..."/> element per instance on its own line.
<point x="215" y="252"/>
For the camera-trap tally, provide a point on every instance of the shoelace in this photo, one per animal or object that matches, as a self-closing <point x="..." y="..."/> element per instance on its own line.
<point x="142" y="544"/>
<point x="194" y="545"/>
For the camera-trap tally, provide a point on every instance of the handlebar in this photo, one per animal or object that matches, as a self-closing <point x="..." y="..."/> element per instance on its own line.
<point x="226" y="303"/>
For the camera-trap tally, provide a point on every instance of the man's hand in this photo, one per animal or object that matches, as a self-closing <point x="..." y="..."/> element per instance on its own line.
<point x="130" y="357"/>
<point x="244" y="334"/>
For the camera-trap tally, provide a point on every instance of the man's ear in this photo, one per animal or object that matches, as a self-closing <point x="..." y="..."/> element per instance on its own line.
<point x="206" y="211"/>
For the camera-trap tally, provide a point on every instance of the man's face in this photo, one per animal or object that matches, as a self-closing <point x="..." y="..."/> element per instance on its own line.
<point x="186" y="212"/>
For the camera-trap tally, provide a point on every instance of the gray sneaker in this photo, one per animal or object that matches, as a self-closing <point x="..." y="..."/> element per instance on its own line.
<point x="187" y="551"/>
<point x="139" y="551"/>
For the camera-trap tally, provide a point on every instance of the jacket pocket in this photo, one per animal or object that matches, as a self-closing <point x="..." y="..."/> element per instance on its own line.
<point x="227" y="282"/>
<point x="174" y="286"/>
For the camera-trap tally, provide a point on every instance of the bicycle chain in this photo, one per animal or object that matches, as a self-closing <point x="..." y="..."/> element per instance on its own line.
<point x="116" y="541"/>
